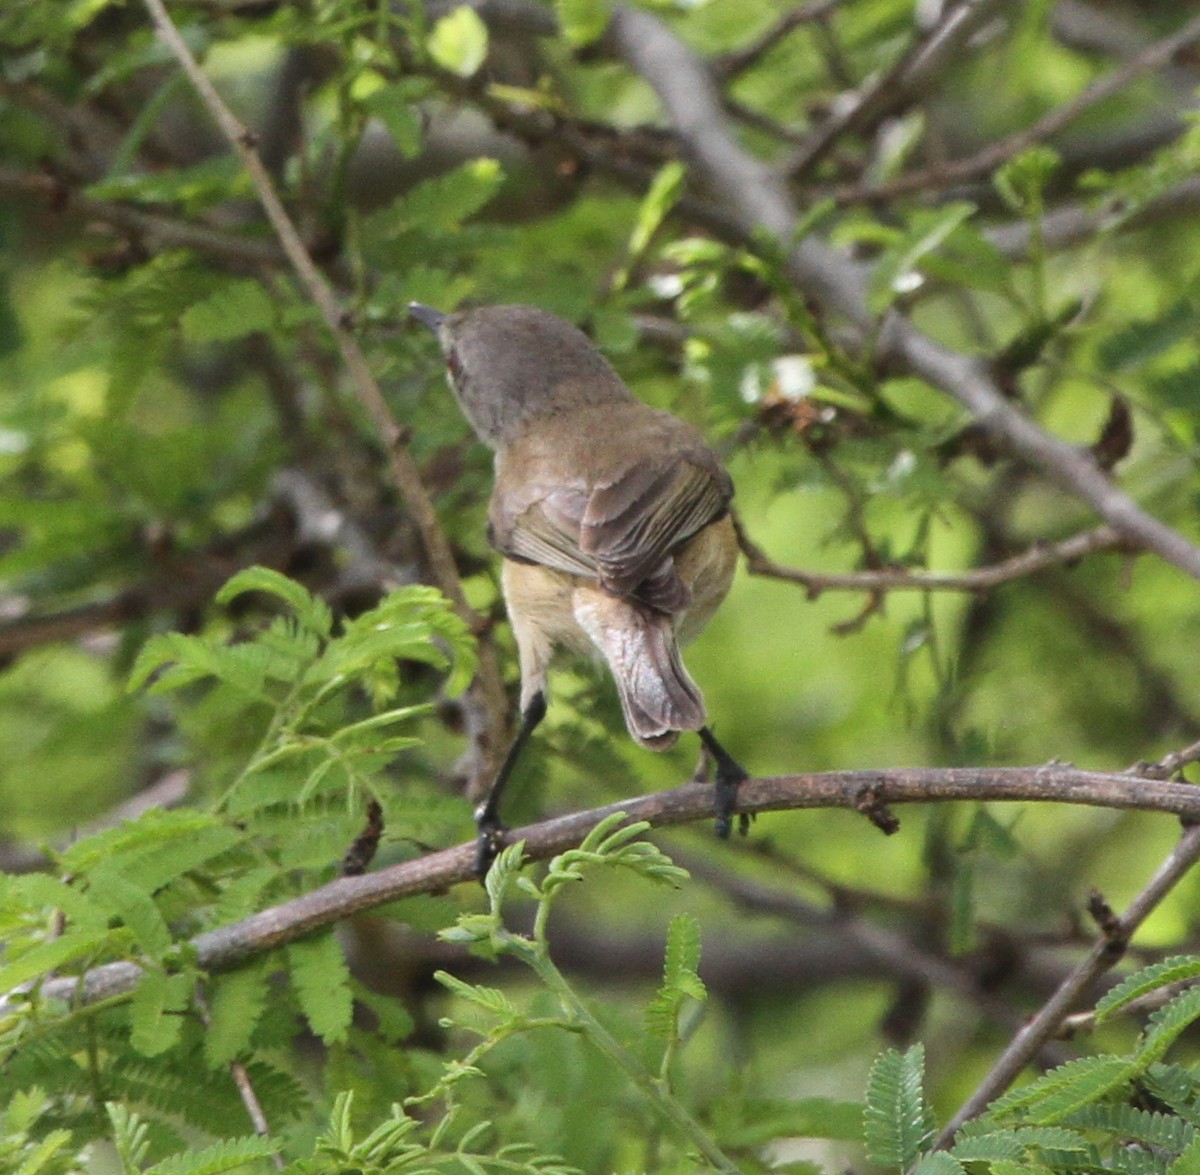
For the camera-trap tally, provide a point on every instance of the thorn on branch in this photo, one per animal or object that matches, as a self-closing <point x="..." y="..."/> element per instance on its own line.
<point x="1116" y="937"/>
<point x="1116" y="437"/>
<point x="362" y="849"/>
<point x="869" y="803"/>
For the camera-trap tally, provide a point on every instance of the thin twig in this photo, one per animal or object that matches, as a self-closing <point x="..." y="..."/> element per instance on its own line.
<point x="978" y="579"/>
<point x="488" y="680"/>
<point x="154" y="228"/>
<point x="737" y="61"/>
<point x="1104" y="954"/>
<point x="890" y="88"/>
<point x="943" y="175"/>
<point x="230" y="946"/>
<point x="245" y="1087"/>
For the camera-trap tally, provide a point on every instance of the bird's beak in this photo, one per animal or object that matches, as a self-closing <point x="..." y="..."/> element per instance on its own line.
<point x="426" y="315"/>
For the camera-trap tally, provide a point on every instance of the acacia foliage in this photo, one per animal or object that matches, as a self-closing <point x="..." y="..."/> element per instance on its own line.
<point x="178" y="430"/>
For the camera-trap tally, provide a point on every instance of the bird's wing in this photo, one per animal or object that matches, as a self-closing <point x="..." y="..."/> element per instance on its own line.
<point x="620" y="531"/>
<point x="634" y="522"/>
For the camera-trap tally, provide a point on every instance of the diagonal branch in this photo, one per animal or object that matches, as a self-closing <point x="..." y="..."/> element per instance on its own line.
<point x="994" y="154"/>
<point x="758" y="200"/>
<point x="489" y="684"/>
<point x="977" y="579"/>
<point x="913" y="70"/>
<point x="868" y="792"/>
<point x="1105" y="953"/>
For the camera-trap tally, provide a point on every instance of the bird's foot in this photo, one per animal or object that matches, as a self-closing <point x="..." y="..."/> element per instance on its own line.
<point x="489" y="842"/>
<point x="730" y="776"/>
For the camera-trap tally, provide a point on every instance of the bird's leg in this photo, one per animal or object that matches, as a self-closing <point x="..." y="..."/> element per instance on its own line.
<point x="487" y="815"/>
<point x="730" y="774"/>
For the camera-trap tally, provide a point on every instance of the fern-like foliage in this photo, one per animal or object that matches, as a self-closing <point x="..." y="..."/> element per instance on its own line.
<point x="897" y="1121"/>
<point x="325" y="700"/>
<point x="1177" y="969"/>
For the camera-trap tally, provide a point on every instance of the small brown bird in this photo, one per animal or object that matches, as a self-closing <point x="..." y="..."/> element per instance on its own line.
<point x="613" y="520"/>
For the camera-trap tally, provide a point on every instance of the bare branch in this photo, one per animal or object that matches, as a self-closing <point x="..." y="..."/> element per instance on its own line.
<point x="759" y="201"/>
<point x="155" y="230"/>
<point x="1105" y="953"/>
<point x="891" y="88"/>
<point x="731" y="64"/>
<point x="978" y="579"/>
<point x="168" y="792"/>
<point x="944" y="175"/>
<point x="229" y="946"/>
<point x="488" y="681"/>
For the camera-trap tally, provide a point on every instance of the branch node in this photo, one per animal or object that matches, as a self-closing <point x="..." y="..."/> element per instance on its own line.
<point x="362" y="849"/>
<point x="869" y="803"/>
<point x="1116" y="937"/>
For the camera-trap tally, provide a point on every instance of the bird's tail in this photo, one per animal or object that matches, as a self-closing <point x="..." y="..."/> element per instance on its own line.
<point x="658" y="697"/>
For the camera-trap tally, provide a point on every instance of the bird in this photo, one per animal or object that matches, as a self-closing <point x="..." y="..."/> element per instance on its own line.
<point x="613" y="520"/>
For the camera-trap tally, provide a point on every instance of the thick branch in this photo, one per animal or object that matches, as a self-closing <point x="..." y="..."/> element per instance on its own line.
<point x="869" y="792"/>
<point x="757" y="197"/>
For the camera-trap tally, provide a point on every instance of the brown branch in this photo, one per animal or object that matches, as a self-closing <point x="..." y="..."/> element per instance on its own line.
<point x="488" y="683"/>
<point x="170" y="791"/>
<point x="891" y="88"/>
<point x="758" y="200"/>
<point x="898" y="956"/>
<point x="737" y="61"/>
<point x="1107" y="950"/>
<point x="230" y="946"/>
<point x="151" y="227"/>
<point x="978" y="579"/>
<point x="943" y="175"/>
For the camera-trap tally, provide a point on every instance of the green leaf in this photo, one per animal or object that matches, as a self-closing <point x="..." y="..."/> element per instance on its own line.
<point x="583" y="21"/>
<point x="130" y="1134"/>
<point x="44" y="957"/>
<point x="938" y="1163"/>
<point x="663" y="194"/>
<point x="39" y="893"/>
<point x="1188" y="1162"/>
<point x="445" y="201"/>
<point x="459" y="42"/>
<point x="312" y="612"/>
<point x="236" y="1004"/>
<point x="235" y="309"/>
<point x="1165" y="1131"/>
<point x="1064" y="1090"/>
<point x="897" y="1124"/>
<point x="1166" y="1025"/>
<point x="127" y="900"/>
<point x="321" y="981"/>
<point x="490" y="999"/>
<point x="1175" y="969"/>
<point x="1139" y="342"/>
<point x="394" y="105"/>
<point x="179" y="659"/>
<point x="928" y="228"/>
<point x="683" y="957"/>
<point x="155" y="1019"/>
<point x="504" y="870"/>
<point x="1022" y="180"/>
<point x="228" y="1155"/>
